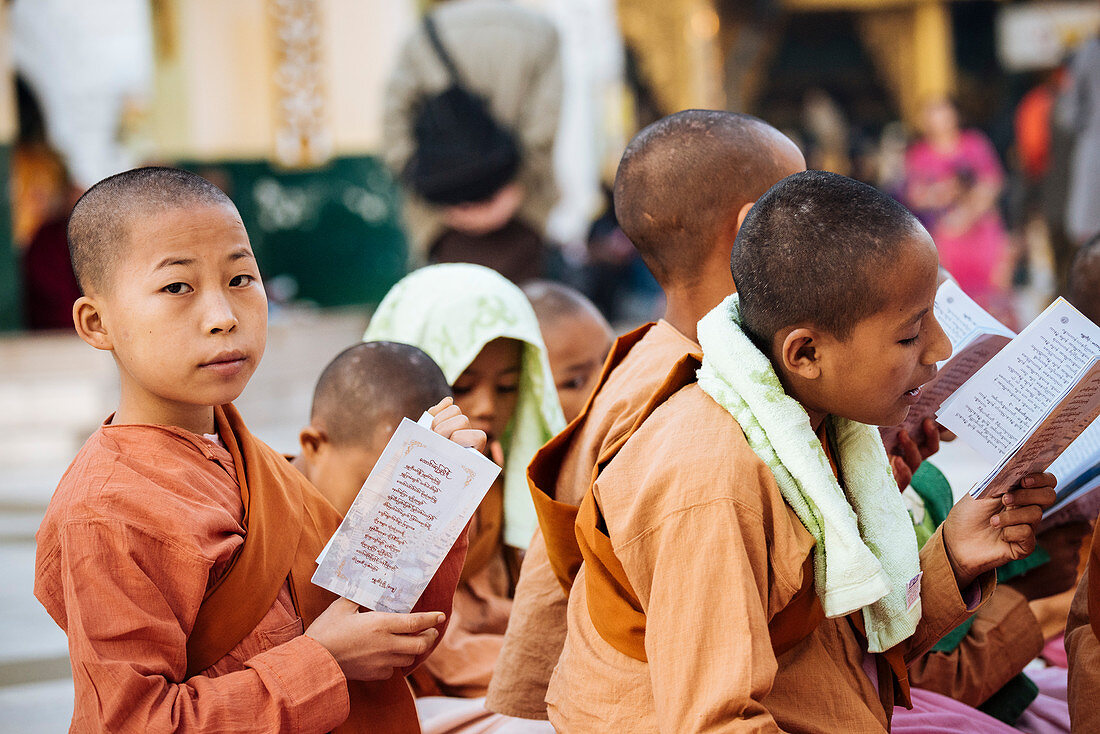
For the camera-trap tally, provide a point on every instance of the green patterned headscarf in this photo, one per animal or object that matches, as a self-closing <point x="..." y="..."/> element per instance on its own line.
<point x="452" y="311"/>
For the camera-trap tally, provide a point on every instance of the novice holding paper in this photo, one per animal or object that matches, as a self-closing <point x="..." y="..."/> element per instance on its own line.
<point x="480" y="329"/>
<point x="748" y="562"/>
<point x="177" y="550"/>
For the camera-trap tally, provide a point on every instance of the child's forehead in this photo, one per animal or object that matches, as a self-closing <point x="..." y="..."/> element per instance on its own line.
<point x="202" y="230"/>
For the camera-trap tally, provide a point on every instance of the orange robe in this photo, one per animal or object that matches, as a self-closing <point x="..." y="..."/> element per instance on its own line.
<point x="638" y="363"/>
<point x="713" y="554"/>
<point x="157" y="546"/>
<point x="1083" y="645"/>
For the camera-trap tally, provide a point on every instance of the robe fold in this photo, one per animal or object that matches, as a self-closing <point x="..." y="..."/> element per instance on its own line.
<point x="180" y="571"/>
<point x="1005" y="636"/>
<point x="635" y="367"/>
<point x="713" y="553"/>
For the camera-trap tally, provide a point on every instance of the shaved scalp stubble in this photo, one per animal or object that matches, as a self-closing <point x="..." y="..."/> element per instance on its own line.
<point x="554" y="302"/>
<point x="101" y="221"/>
<point x="683" y="180"/>
<point x="373" y="383"/>
<point x="813" y="251"/>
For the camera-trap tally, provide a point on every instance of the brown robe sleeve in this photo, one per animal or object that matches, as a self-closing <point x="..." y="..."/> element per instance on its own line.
<point x="534" y="639"/>
<point x="1084" y="662"/>
<point x="127" y="634"/>
<point x="1004" y="637"/>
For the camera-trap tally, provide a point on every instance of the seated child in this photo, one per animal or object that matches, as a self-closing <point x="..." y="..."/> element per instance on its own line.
<point x="578" y="339"/>
<point x="480" y="329"/>
<point x="749" y="564"/>
<point x="359" y="400"/>
<point x="177" y="550"/>
<point x="675" y="200"/>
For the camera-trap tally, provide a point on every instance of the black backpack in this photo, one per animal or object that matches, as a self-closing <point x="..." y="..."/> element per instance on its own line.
<point x="461" y="153"/>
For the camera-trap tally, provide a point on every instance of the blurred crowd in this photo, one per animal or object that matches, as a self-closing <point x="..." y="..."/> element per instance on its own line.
<point x="472" y="131"/>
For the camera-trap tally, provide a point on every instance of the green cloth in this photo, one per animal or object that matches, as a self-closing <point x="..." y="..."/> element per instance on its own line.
<point x="452" y="311"/>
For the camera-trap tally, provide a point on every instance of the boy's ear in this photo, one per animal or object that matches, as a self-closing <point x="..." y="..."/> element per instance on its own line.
<point x="742" y="214"/>
<point x="312" y="439"/>
<point x="799" y="353"/>
<point x="88" y="321"/>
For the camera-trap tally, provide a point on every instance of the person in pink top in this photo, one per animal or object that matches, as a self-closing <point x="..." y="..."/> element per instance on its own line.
<point x="952" y="181"/>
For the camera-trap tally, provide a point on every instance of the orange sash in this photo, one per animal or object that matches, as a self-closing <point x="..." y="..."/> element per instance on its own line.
<point x="287" y="523"/>
<point x="556" y="519"/>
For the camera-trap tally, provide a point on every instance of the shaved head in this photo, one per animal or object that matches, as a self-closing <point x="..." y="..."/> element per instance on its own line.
<point x="99" y="226"/>
<point x="1083" y="289"/>
<point x="375" y="383"/>
<point x="683" y="180"/>
<point x="554" y="302"/>
<point x="812" y="250"/>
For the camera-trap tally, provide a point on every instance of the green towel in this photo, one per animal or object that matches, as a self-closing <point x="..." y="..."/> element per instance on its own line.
<point x="452" y="311"/>
<point x="866" y="552"/>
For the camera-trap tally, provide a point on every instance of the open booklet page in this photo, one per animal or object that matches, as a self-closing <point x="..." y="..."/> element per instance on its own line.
<point x="1028" y="403"/>
<point x="975" y="337"/>
<point x="405" y="520"/>
<point x="1078" y="472"/>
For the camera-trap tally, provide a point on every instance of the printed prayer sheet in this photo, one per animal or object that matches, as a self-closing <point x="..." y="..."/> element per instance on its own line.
<point x="1029" y="402"/>
<point x="417" y="500"/>
<point x="975" y="335"/>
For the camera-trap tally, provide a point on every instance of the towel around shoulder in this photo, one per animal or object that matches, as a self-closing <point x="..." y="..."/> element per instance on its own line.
<point x="866" y="553"/>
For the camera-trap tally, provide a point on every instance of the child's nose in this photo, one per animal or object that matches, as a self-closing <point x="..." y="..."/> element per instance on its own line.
<point x="219" y="315"/>
<point x="939" y="346"/>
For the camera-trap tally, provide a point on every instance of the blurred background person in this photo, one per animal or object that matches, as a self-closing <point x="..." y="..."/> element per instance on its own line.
<point x="1079" y="111"/>
<point x="492" y="209"/>
<point x="952" y="181"/>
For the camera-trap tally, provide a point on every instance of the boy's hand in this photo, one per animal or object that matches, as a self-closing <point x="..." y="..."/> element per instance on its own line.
<point x="371" y="645"/>
<point x="449" y="422"/>
<point x="980" y="535"/>
<point x="909" y="455"/>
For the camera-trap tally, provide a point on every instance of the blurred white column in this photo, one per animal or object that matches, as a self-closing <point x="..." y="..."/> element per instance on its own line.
<point x="86" y="62"/>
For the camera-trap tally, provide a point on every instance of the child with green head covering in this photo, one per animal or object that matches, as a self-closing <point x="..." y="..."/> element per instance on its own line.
<point x="481" y="330"/>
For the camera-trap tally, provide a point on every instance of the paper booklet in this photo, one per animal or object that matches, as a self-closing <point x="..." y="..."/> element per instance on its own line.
<point x="405" y="520"/>
<point x="1078" y="472"/>
<point x="1029" y="402"/>
<point x="975" y="337"/>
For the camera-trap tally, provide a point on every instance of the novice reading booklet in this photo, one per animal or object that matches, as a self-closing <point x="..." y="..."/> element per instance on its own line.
<point x="975" y="337"/>
<point x="405" y="520"/>
<point x="1078" y="472"/>
<point x="1029" y="402"/>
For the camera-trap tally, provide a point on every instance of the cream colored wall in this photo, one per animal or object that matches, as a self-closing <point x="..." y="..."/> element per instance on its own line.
<point x="216" y="93"/>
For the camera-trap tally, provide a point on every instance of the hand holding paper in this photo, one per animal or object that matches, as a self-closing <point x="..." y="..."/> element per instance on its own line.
<point x="983" y="534"/>
<point x="413" y="507"/>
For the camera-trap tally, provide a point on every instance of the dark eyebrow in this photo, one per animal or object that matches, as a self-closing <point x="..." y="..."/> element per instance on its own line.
<point x="241" y="253"/>
<point x="918" y="317"/>
<point x="170" y="261"/>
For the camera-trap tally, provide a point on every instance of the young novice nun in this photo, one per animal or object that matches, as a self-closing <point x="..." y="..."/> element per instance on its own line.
<point x="683" y="186"/>
<point x="480" y="329"/>
<point x="177" y="550"/>
<point x="578" y="339"/>
<point x="748" y="562"/>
